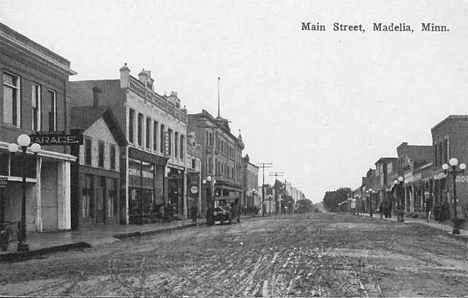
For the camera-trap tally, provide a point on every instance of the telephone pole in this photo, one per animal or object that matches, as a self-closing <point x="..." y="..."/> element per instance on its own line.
<point x="276" y="174"/>
<point x="264" y="165"/>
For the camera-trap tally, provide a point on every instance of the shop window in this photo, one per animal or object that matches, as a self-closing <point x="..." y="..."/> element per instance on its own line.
<point x="112" y="205"/>
<point x="36" y="107"/>
<point x="131" y="125"/>
<point x="4" y="163"/>
<point x="11" y="100"/>
<point x="16" y="165"/>
<point x="88" y="197"/>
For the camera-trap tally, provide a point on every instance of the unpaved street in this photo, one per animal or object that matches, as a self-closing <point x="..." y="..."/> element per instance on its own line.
<point x="302" y="255"/>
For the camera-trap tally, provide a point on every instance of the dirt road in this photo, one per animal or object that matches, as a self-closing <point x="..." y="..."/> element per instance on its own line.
<point x="302" y="255"/>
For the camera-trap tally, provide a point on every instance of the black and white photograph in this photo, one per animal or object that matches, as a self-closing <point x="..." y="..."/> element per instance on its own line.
<point x="220" y="148"/>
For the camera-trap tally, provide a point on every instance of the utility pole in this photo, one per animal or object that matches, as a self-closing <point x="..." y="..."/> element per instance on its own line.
<point x="276" y="174"/>
<point x="264" y="165"/>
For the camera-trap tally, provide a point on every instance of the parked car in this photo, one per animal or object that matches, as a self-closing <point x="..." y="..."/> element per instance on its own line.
<point x="221" y="215"/>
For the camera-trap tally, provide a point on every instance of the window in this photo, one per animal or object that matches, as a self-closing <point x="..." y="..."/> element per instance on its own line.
<point x="87" y="193"/>
<point x="112" y="203"/>
<point x="441" y="153"/>
<point x="194" y="164"/>
<point x="446" y="150"/>
<point x="182" y="145"/>
<point x="101" y="154"/>
<point x="88" y="151"/>
<point x="112" y="157"/>
<point x="210" y="165"/>
<point x="163" y="138"/>
<point x="207" y="138"/>
<point x="140" y="129"/>
<point x="36" y="107"/>
<point x="436" y="161"/>
<point x="176" y="143"/>
<point x="148" y="132"/>
<point x="169" y="142"/>
<point x="11" y="100"/>
<point x="52" y="110"/>
<point x="155" y="136"/>
<point x="131" y="125"/>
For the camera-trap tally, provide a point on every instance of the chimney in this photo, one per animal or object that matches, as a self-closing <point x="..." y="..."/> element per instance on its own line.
<point x="96" y="92"/>
<point x="124" y="76"/>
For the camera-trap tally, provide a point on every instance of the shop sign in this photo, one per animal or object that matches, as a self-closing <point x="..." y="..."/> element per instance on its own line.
<point x="193" y="181"/>
<point x="57" y="138"/>
<point x="3" y="182"/>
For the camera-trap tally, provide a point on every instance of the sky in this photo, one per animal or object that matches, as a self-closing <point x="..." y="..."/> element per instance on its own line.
<point x="322" y="106"/>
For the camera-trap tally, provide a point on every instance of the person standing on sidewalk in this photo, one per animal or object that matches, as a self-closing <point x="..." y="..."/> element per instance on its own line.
<point x="194" y="212"/>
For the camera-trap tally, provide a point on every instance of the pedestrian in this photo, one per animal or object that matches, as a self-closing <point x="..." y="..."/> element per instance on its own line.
<point x="428" y="208"/>
<point x="194" y="212"/>
<point x="381" y="209"/>
<point x="209" y="215"/>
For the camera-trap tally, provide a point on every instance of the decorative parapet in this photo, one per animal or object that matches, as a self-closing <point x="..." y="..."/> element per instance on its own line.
<point x="136" y="86"/>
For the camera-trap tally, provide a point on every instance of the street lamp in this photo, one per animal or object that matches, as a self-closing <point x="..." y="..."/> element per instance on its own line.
<point x="23" y="141"/>
<point x="453" y="163"/>
<point x="400" y="212"/>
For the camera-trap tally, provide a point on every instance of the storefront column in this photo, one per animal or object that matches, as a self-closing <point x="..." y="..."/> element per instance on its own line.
<point x="412" y="198"/>
<point x="185" y="193"/>
<point x="63" y="192"/>
<point x="37" y="195"/>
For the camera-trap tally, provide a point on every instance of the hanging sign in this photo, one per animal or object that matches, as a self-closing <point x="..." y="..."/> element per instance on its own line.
<point x="57" y="138"/>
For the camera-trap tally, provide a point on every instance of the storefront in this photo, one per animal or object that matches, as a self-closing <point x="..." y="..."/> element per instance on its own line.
<point x="145" y="185"/>
<point x="175" y="184"/>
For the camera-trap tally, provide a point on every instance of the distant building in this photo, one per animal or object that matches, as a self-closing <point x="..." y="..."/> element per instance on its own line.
<point x="34" y="99"/>
<point x="250" y="182"/>
<point x="193" y="164"/>
<point x="221" y="169"/>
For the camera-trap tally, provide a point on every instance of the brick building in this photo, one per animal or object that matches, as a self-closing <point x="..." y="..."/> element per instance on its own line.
<point x="34" y="99"/>
<point x="221" y="168"/>
<point x="250" y="182"/>
<point x="450" y="140"/>
<point x="153" y="167"/>
<point x="193" y="164"/>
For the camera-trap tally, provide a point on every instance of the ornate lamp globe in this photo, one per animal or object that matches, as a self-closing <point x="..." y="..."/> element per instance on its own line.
<point x="453" y="162"/>
<point x="24" y="140"/>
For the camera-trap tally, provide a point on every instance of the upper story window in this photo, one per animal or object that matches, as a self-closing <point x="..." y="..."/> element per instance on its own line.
<point x="140" y="129"/>
<point x="88" y="151"/>
<point x="131" y="125"/>
<point x="36" y="107"/>
<point x="101" y="154"/>
<point x="11" y="100"/>
<point x="112" y="157"/>
<point x="51" y="109"/>
<point x="446" y="150"/>
<point x="194" y="163"/>
<point x="169" y="142"/>
<point x="148" y="132"/>
<point x="436" y="160"/>
<point x="182" y="145"/>
<point x="162" y="135"/>
<point x="176" y="142"/>
<point x="155" y="136"/>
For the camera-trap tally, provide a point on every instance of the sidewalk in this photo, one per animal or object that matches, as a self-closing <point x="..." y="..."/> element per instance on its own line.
<point x="49" y="242"/>
<point x="445" y="226"/>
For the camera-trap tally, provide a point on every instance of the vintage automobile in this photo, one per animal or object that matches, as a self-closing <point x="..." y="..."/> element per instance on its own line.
<point x="219" y="214"/>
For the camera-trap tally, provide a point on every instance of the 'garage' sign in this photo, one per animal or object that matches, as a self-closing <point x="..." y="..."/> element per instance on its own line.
<point x="57" y="138"/>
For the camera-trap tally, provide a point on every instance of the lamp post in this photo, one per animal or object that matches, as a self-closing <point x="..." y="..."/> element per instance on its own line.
<point x="453" y="164"/>
<point x="400" y="212"/>
<point x="23" y="141"/>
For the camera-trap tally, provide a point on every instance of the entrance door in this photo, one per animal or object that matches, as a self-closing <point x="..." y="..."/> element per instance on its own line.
<point x="101" y="201"/>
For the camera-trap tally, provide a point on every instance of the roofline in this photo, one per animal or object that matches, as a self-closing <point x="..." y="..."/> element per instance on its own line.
<point x="449" y="118"/>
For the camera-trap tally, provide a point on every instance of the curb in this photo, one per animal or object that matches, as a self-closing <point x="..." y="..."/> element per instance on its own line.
<point x="23" y="256"/>
<point x="153" y="232"/>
